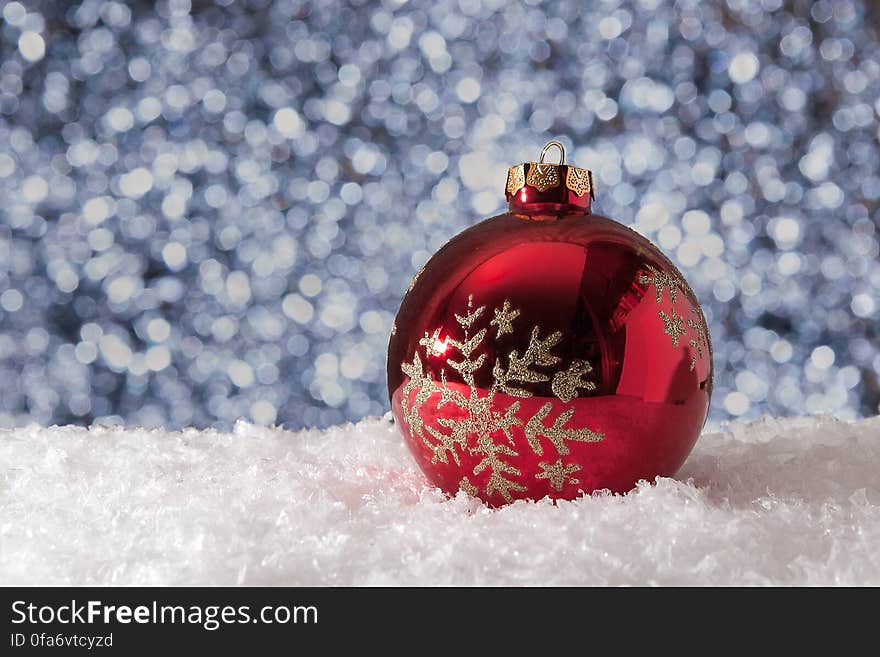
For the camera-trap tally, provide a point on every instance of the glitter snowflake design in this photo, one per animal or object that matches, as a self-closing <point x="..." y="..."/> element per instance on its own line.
<point x="558" y="474"/>
<point x="672" y="326"/>
<point x="662" y="281"/>
<point x="675" y="325"/>
<point x="700" y="340"/>
<point x="486" y="428"/>
<point x="504" y="317"/>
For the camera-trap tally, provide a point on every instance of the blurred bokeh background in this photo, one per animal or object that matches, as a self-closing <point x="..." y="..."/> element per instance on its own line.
<point x="210" y="210"/>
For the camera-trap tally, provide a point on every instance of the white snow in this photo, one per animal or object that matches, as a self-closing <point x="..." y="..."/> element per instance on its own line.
<point x="794" y="501"/>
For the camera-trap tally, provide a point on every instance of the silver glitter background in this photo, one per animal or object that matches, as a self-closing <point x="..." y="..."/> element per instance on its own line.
<point x="211" y="210"/>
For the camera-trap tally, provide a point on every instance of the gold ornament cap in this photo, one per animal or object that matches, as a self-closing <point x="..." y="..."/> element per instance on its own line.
<point x="546" y="187"/>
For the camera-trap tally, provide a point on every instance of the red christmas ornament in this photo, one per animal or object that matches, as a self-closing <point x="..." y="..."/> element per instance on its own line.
<point x="549" y="351"/>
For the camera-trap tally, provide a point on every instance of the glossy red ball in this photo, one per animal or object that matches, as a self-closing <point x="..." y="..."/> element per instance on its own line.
<point x="549" y="355"/>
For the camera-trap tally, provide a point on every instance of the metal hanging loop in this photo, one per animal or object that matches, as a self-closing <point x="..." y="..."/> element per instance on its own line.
<point x="551" y="144"/>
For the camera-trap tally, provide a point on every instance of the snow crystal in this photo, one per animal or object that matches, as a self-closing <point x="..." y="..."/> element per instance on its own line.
<point x="794" y="501"/>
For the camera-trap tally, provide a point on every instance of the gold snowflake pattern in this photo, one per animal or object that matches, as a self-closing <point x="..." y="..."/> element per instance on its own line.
<point x="701" y="339"/>
<point x="431" y="342"/>
<point x="662" y="281"/>
<point x="472" y="316"/>
<point x="556" y="433"/>
<point x="558" y="474"/>
<point x="566" y="383"/>
<point x="466" y="486"/>
<point x="519" y="368"/>
<point x="503" y="319"/>
<point x="672" y="326"/>
<point x="483" y="427"/>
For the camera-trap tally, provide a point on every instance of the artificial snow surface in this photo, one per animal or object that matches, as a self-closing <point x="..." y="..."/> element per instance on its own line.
<point x="793" y="501"/>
